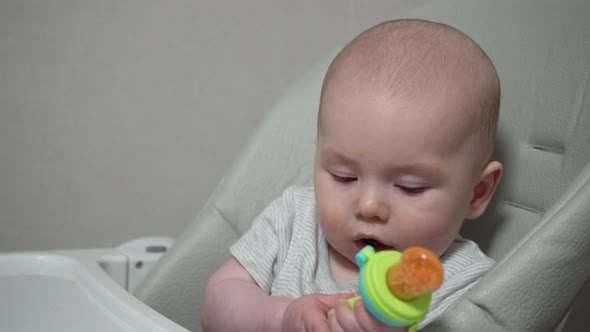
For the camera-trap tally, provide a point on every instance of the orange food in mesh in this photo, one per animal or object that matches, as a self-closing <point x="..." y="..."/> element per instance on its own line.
<point x="418" y="272"/>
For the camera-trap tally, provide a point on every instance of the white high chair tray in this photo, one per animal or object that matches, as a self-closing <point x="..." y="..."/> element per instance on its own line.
<point x="43" y="292"/>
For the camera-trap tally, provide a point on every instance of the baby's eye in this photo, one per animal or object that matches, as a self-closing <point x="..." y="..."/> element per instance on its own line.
<point x="343" y="179"/>
<point x="412" y="190"/>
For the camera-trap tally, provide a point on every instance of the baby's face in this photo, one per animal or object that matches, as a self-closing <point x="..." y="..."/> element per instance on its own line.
<point x="392" y="173"/>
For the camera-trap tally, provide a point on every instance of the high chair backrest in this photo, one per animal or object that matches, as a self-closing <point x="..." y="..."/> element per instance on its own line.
<point x="538" y="226"/>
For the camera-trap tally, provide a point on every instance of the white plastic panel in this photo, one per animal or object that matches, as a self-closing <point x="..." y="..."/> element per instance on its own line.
<point x="40" y="292"/>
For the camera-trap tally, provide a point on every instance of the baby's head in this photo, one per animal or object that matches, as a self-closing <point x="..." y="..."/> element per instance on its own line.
<point x="415" y="59"/>
<point x="406" y="129"/>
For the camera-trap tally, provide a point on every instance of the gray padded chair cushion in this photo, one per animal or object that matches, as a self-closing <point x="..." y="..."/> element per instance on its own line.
<point x="532" y="288"/>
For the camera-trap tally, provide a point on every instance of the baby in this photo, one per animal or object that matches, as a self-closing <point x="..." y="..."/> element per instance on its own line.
<point x="406" y="129"/>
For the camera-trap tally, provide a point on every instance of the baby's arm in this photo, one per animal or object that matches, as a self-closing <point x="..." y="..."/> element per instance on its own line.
<point x="233" y="302"/>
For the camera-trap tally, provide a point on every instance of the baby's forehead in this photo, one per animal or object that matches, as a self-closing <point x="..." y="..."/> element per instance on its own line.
<point x="423" y="112"/>
<point x="407" y="89"/>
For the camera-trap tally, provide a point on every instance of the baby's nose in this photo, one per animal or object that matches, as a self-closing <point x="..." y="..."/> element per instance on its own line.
<point x="371" y="205"/>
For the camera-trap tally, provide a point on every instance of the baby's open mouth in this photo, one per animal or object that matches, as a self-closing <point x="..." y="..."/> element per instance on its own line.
<point x="378" y="246"/>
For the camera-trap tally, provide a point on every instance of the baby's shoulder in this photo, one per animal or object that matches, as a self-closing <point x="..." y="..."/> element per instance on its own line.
<point x="299" y="195"/>
<point x="296" y="190"/>
<point x="465" y="255"/>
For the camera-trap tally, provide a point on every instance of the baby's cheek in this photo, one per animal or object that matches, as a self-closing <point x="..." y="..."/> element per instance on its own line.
<point x="330" y="213"/>
<point x="438" y="239"/>
<point x="331" y="224"/>
<point x="430" y="235"/>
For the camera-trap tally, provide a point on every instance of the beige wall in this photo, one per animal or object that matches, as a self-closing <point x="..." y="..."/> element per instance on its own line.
<point x="118" y="118"/>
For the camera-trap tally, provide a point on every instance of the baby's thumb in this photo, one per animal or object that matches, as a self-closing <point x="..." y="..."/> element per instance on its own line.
<point x="330" y="300"/>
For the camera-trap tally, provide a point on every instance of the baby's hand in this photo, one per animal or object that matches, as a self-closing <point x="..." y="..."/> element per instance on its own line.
<point x="341" y="318"/>
<point x="309" y="312"/>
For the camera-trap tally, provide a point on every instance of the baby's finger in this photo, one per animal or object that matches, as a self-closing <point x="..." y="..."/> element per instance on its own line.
<point x="333" y="323"/>
<point x="330" y="301"/>
<point x="348" y="296"/>
<point x="346" y="317"/>
<point x="315" y="321"/>
<point x="366" y="321"/>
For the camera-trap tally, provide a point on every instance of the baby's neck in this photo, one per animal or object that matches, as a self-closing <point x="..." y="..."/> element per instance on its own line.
<point x="343" y="270"/>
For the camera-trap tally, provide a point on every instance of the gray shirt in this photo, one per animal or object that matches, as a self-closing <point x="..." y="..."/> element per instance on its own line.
<point x="286" y="253"/>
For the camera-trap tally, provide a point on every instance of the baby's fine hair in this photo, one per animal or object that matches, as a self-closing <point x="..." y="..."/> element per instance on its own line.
<point x="413" y="57"/>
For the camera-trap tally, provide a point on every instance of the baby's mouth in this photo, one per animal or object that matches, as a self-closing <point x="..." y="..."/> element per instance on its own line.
<point x="378" y="246"/>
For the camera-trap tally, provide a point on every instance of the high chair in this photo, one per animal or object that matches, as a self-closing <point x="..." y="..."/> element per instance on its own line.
<point x="538" y="226"/>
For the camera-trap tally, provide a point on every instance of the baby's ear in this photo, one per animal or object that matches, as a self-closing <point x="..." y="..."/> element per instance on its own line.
<point x="484" y="189"/>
